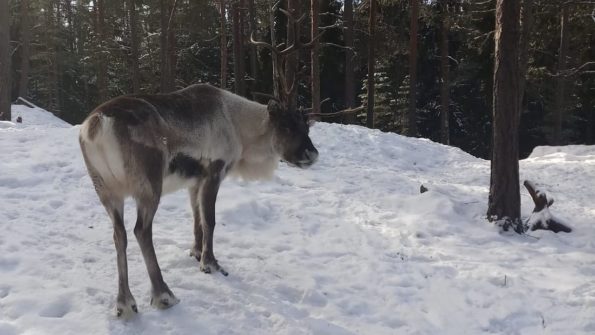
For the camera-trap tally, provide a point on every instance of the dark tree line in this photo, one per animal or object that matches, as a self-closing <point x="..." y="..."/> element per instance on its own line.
<point x="422" y="68"/>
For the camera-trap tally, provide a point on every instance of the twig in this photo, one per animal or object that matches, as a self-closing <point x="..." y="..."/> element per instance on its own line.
<point x="344" y="111"/>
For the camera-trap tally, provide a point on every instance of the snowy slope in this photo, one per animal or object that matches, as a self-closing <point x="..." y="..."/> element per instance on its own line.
<point x="349" y="246"/>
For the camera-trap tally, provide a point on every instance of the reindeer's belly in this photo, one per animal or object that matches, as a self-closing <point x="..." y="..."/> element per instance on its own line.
<point x="174" y="182"/>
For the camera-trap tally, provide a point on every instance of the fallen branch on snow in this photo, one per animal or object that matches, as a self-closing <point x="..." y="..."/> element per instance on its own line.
<point x="541" y="218"/>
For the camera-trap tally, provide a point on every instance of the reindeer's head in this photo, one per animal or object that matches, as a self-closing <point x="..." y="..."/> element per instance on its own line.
<point x="290" y="136"/>
<point x="290" y="126"/>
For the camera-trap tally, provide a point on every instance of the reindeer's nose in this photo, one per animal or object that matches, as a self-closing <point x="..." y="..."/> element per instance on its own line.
<point x="312" y="155"/>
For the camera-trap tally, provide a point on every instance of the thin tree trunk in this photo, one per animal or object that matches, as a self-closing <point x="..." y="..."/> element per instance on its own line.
<point x="560" y="94"/>
<point x="101" y="54"/>
<point x="292" y="59"/>
<point x="5" y="59"/>
<point x="171" y="47"/>
<point x="315" y="75"/>
<point x="242" y="64"/>
<point x="444" y="67"/>
<point x="223" y="47"/>
<point x="253" y="55"/>
<point x="25" y="48"/>
<point x="80" y="48"/>
<point x="134" y="46"/>
<point x="526" y="24"/>
<point x="504" y="198"/>
<point x="163" y="69"/>
<point x="70" y="28"/>
<point x="349" y="63"/>
<point x="237" y="50"/>
<point x="371" y="63"/>
<point x="274" y="42"/>
<point x="52" y="20"/>
<point x="412" y="114"/>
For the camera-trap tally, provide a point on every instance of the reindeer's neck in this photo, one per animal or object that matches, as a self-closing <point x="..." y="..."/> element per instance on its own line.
<point x="258" y="159"/>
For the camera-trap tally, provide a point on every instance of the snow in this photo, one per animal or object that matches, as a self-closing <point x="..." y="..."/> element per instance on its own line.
<point x="349" y="246"/>
<point x="33" y="117"/>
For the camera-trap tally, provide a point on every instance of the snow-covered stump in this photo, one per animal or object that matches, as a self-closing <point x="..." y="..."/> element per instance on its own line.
<point x="541" y="218"/>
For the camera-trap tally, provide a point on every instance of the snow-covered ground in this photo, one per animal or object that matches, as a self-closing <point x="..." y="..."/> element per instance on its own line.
<point x="349" y="246"/>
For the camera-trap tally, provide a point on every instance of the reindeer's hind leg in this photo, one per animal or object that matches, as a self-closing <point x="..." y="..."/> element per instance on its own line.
<point x="114" y="205"/>
<point x="162" y="297"/>
<point x="125" y="304"/>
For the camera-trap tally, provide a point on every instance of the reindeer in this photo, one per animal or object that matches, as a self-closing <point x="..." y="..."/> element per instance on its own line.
<point x="144" y="146"/>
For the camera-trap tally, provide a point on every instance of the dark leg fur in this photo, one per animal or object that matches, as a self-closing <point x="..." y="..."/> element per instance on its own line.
<point x="208" y="196"/>
<point x="162" y="297"/>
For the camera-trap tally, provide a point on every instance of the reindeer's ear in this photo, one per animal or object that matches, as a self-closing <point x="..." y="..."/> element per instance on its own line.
<point x="275" y="109"/>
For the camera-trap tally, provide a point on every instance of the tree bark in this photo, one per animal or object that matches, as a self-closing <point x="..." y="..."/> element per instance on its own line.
<point x="223" y="47"/>
<point x="274" y="58"/>
<point x="315" y="67"/>
<point x="371" y="63"/>
<point x="444" y="68"/>
<point x="526" y="24"/>
<point x="560" y="94"/>
<point x="253" y="55"/>
<point x="412" y="112"/>
<point x="163" y="69"/>
<point x="504" y="198"/>
<point x="134" y="46"/>
<point x="52" y="18"/>
<point x="292" y="59"/>
<point x="25" y="48"/>
<point x="102" y="52"/>
<point x="171" y="46"/>
<point x="5" y="59"/>
<point x="349" y="61"/>
<point x="237" y="50"/>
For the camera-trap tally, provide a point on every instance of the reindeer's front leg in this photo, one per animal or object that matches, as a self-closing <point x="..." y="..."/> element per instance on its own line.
<point x="196" y="250"/>
<point x="208" y="197"/>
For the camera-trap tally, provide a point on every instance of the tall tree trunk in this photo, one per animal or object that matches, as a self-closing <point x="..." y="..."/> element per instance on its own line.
<point x="5" y="58"/>
<point x="102" y="52"/>
<point x="163" y="69"/>
<point x="81" y="36"/>
<point x="349" y="63"/>
<point x="526" y="24"/>
<point x="560" y="94"/>
<point x="242" y="64"/>
<point x="292" y="59"/>
<point x="52" y="18"/>
<point x="171" y="46"/>
<point x="253" y="55"/>
<point x="371" y="63"/>
<point x="134" y="46"/>
<point x="274" y="58"/>
<point x="70" y="29"/>
<point x="237" y="50"/>
<point x="315" y="75"/>
<point x="444" y="67"/>
<point x="504" y="199"/>
<point x="412" y="114"/>
<point x="223" y="47"/>
<point x="25" y="48"/>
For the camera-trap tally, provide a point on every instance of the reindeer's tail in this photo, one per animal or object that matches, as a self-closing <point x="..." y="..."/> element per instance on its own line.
<point x="101" y="149"/>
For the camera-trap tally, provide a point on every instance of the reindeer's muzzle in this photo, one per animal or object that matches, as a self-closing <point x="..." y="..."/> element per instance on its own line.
<point x="309" y="157"/>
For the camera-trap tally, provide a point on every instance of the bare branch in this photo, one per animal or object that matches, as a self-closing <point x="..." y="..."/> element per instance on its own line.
<point x="344" y="111"/>
<point x="572" y="72"/>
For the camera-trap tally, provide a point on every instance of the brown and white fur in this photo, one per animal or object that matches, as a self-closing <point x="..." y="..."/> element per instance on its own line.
<point x="143" y="146"/>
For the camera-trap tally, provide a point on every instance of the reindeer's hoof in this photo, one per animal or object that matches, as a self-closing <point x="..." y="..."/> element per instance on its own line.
<point x="164" y="300"/>
<point x="126" y="310"/>
<point x="195" y="253"/>
<point x="212" y="267"/>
